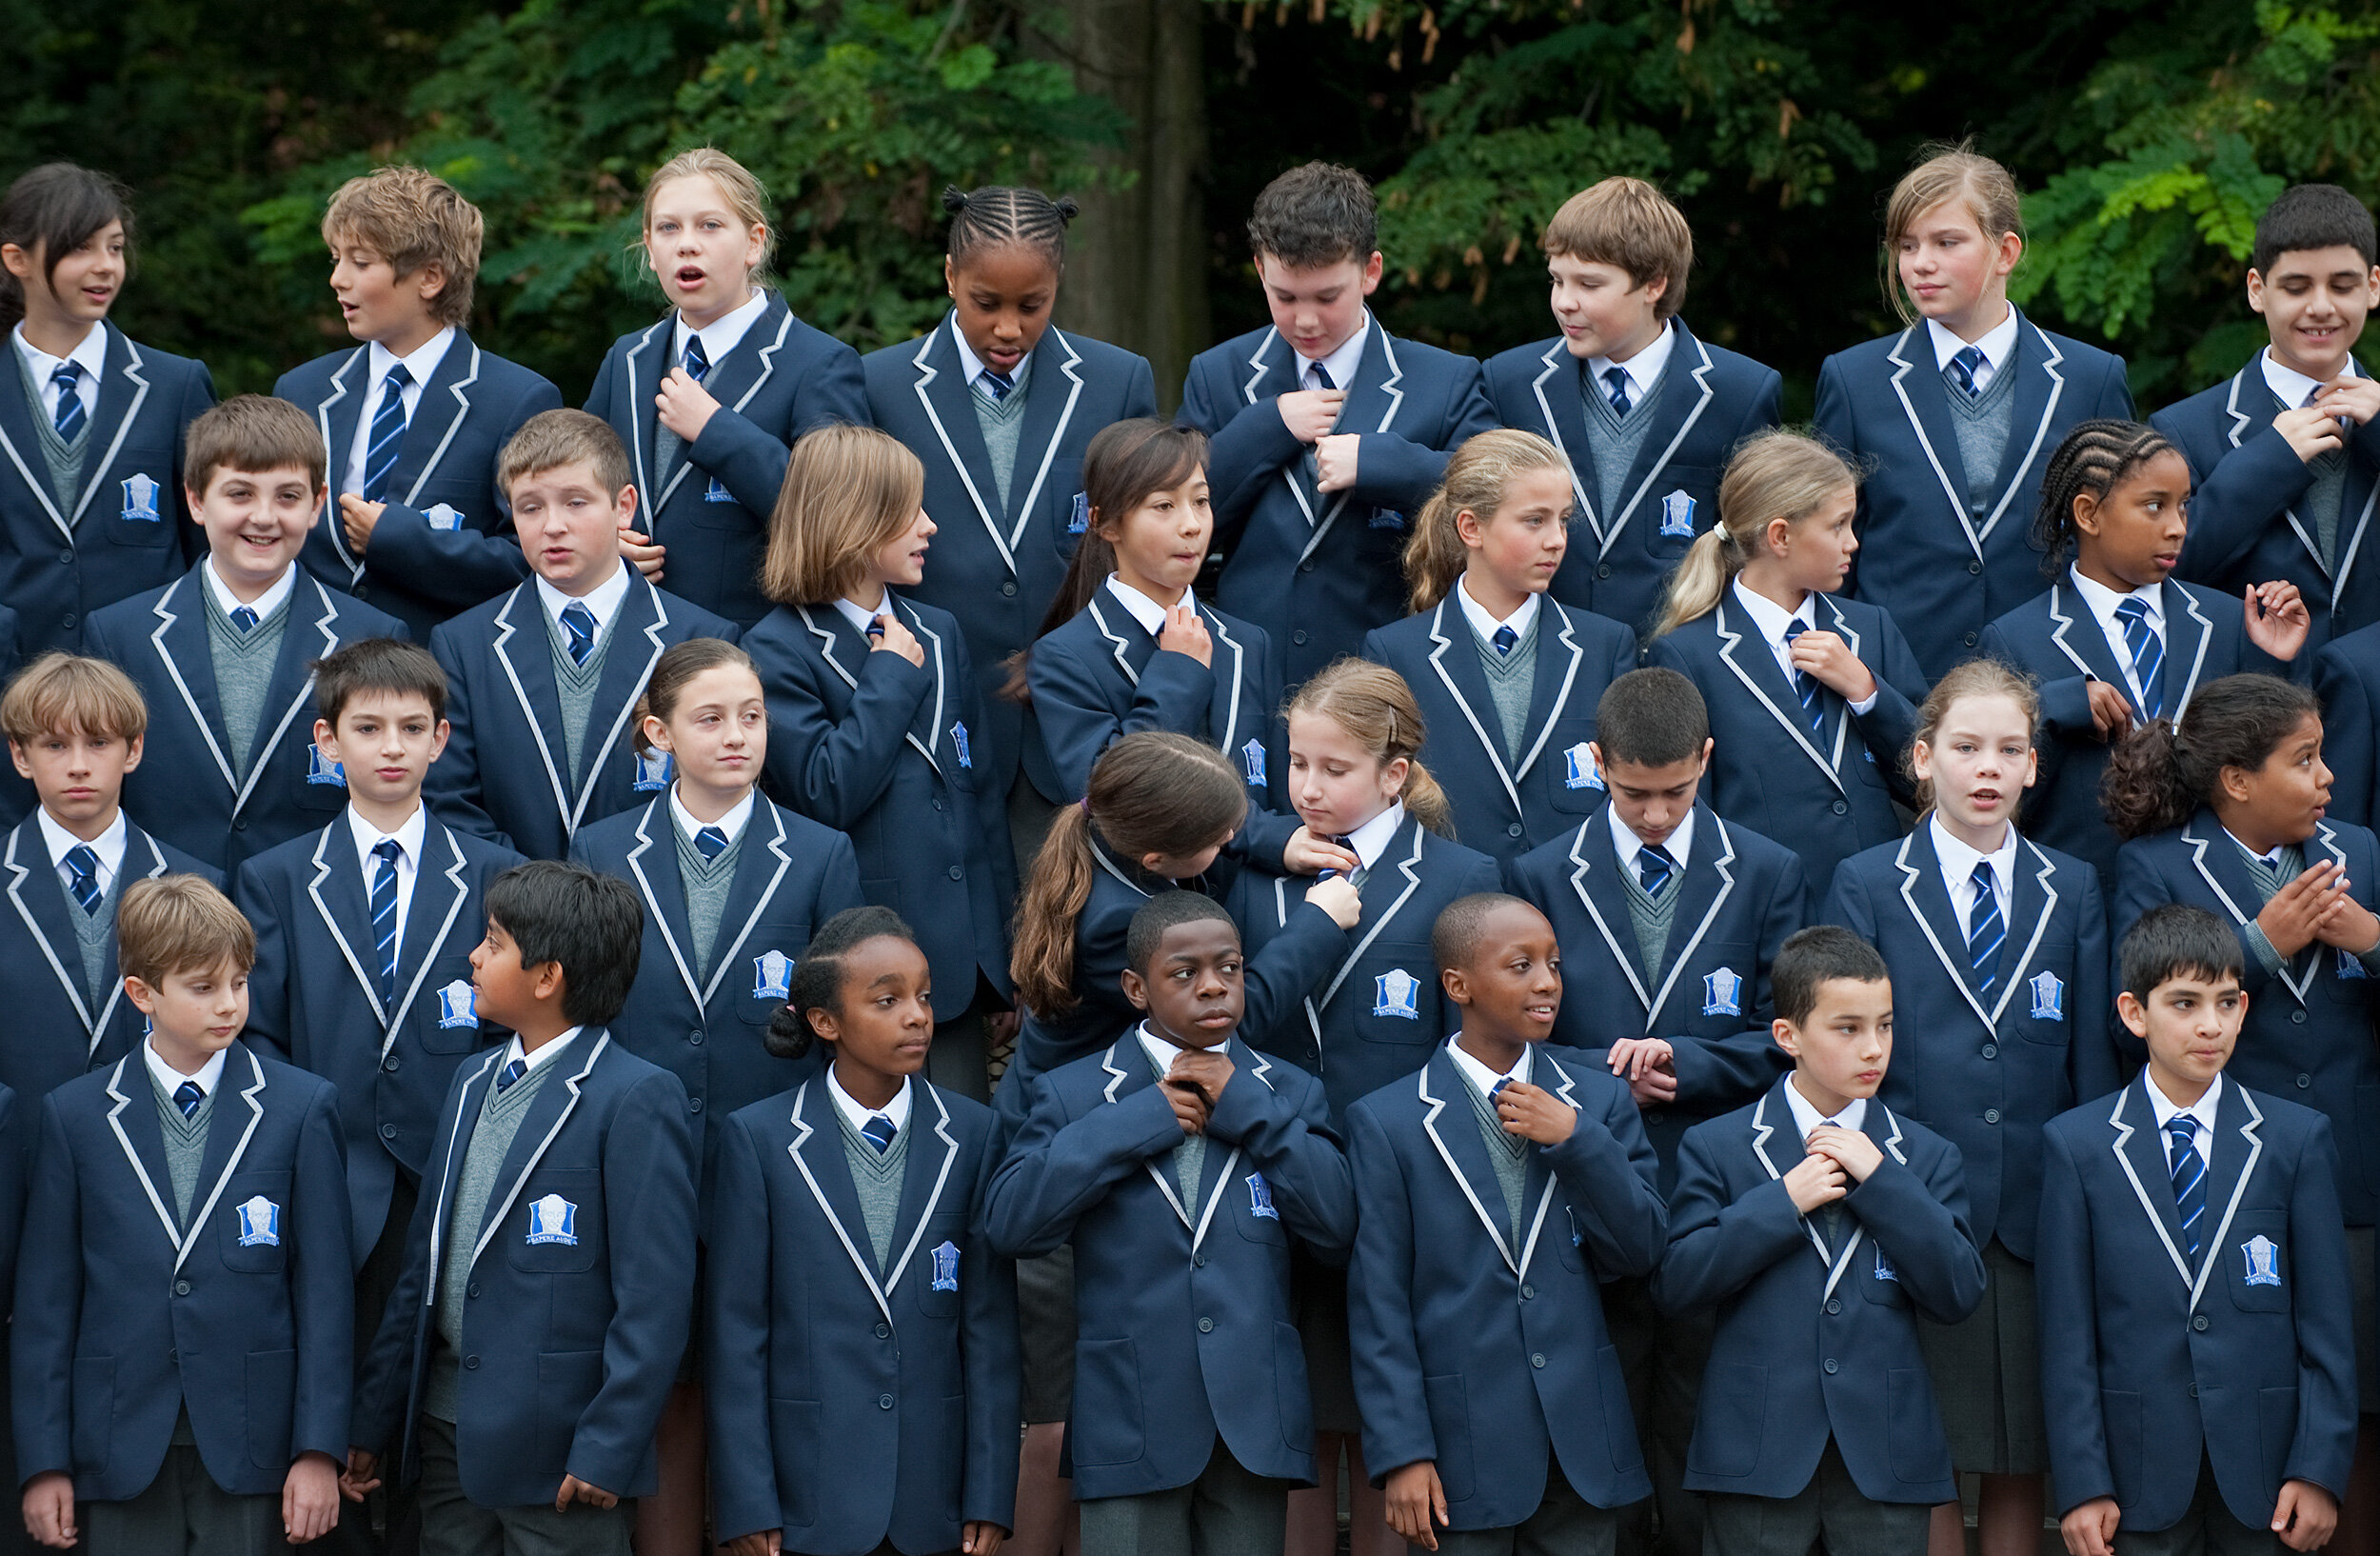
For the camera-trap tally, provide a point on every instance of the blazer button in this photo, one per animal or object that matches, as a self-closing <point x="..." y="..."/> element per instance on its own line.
<point x="2193" y="1390"/>
<point x="2304" y="1081"/>
<point x="1528" y="1293"/>
<point x="1832" y="1367"/>
<point x="1536" y="1358"/>
<point x="1975" y="567"/>
<point x="957" y="874"/>
<point x="2199" y="1322"/>
<point x="181" y="1288"/>
<point x="240" y="824"/>
<point x="1991" y="1051"/>
<point x="175" y="1356"/>
<point x="1206" y="1325"/>
<point x="937" y="802"/>
<point x="694" y="1038"/>
<point x="2298" y="1017"/>
<point x="1198" y="1261"/>
<point x="66" y="559"/>
<point x="1833" y="1305"/>
<point x="884" y="1402"/>
<point x="1513" y="829"/>
<point x="1603" y="570"/>
<point x="68" y="621"/>
<point x="1305" y="567"/>
<point x="1992" y="1115"/>
<point x="1298" y="637"/>
<point x="1970" y="638"/>
<point x="884" y="1331"/>
<point x="387" y="1131"/>
<point x="1009" y="589"/>
<point x="471" y="1291"/>
<point x="694" y="1104"/>
<point x="1842" y="808"/>
<point x="389" y="1064"/>
<point x="470" y="1364"/>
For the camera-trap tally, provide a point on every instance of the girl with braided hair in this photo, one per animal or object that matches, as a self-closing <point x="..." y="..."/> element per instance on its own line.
<point x="2115" y="642"/>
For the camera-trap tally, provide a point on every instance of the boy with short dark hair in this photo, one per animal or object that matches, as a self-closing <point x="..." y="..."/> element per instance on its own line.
<point x="2285" y="454"/>
<point x="1645" y="412"/>
<point x="1824" y="1222"/>
<point x="182" y="1339"/>
<point x="1329" y="433"/>
<point x="521" y="1368"/>
<point x="223" y="655"/>
<point x="543" y="681"/>
<point x="2158" y="1395"/>
<point x="416" y="414"/>
<point x="1179" y="1163"/>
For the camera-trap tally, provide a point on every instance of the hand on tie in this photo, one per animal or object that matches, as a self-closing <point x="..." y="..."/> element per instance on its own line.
<point x="1310" y="413"/>
<point x="2275" y="617"/>
<point x="2355" y="398"/>
<point x="1184" y="632"/>
<point x="2310" y="431"/>
<point x="684" y="406"/>
<point x="1312" y="854"/>
<point x="1207" y="1071"/>
<point x="70" y="418"/>
<point x="1815" y="1180"/>
<point x="2110" y="712"/>
<point x="358" y="518"/>
<point x="1849" y="1149"/>
<point x="1334" y="461"/>
<point x="1825" y="656"/>
<point x="1533" y="1113"/>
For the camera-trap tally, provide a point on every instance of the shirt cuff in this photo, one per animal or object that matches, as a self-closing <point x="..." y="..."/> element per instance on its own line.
<point x="2270" y="958"/>
<point x="1865" y="705"/>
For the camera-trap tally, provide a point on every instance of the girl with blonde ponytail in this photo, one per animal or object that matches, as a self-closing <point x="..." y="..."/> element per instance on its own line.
<point x="1487" y="638"/>
<point x="1812" y="697"/>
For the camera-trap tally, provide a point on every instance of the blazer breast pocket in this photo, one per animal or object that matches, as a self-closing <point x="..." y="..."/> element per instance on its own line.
<point x="1249" y="1200"/>
<point x="1713" y="997"/>
<point x="2256" y="1262"/>
<point x="1680" y="504"/>
<point x="133" y="504"/>
<point x="1879" y="1281"/>
<point x="1395" y="993"/>
<point x="2044" y="1007"/>
<point x="556" y="1225"/>
<point x="1565" y="769"/>
<point x="251" y="1222"/>
<point x="761" y="978"/>
<point x="446" y="1011"/>
<point x="934" y="1274"/>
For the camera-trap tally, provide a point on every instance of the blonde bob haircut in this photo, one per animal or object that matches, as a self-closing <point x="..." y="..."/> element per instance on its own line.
<point x="62" y="694"/>
<point x="848" y="491"/>
<point x="169" y="923"/>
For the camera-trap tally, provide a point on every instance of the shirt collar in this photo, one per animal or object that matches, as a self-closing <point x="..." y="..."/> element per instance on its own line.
<point x="1478" y="1074"/>
<point x="264" y="605"/>
<point x="723" y="334"/>
<point x="1678" y="844"/>
<point x="1486" y="625"/>
<point x="1807" y="1117"/>
<point x="972" y="367"/>
<point x="1371" y="840"/>
<point x="732" y="822"/>
<point x="408" y="835"/>
<point x="210" y="1074"/>
<point x="1958" y="860"/>
<point x="858" y="1114"/>
<point x="2103" y="601"/>
<point x="2288" y="385"/>
<point x="1769" y="617"/>
<point x="2271" y="856"/>
<point x="603" y="601"/>
<point x="1343" y="362"/>
<point x="1146" y="611"/>
<point x="1643" y="370"/>
<point x="1161" y="1050"/>
<point x="109" y="845"/>
<point x="542" y="1055"/>
<point x="420" y="367"/>
<point x="2165" y="1107"/>
<point x="860" y="620"/>
<point x="1997" y="344"/>
<point x="91" y="356"/>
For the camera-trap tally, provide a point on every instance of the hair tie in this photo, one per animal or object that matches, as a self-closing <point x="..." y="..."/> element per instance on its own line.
<point x="1085" y="803"/>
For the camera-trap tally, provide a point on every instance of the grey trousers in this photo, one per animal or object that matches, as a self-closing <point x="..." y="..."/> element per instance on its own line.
<point x="184" y="1513"/>
<point x="1565" y="1524"/>
<point x="2207" y="1528"/>
<point x="1226" y="1511"/>
<point x="1830" y="1507"/>
<point x="453" y="1524"/>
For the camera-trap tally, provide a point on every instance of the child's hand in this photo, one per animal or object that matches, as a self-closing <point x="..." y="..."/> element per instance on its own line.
<point x="2357" y="399"/>
<point x="1338" y="897"/>
<point x="2294" y="915"/>
<point x="1829" y="659"/>
<point x="896" y="638"/>
<point x="2111" y="711"/>
<point x="574" y="1489"/>
<point x="1189" y="1105"/>
<point x="1814" y="1181"/>
<point x="2090" y="1529"/>
<point x="1335" y="462"/>
<point x="642" y="554"/>
<point x="766" y="1543"/>
<point x="1849" y="1149"/>
<point x="1308" y="854"/>
<point x="685" y="407"/>
<point x="2310" y="431"/>
<point x="1534" y="1113"/>
<point x="2305" y="1516"/>
<point x="49" y="1509"/>
<point x="1649" y="1066"/>
<point x="360" y="1480"/>
<point x="1415" y="1499"/>
<point x="1186" y="633"/>
<point x="1311" y="413"/>
<point x="979" y="1537"/>
<point x="1208" y="1070"/>
<point x="2348" y="925"/>
<point x="309" y="1498"/>
<point x="2276" y="618"/>
<point x="356" y="517"/>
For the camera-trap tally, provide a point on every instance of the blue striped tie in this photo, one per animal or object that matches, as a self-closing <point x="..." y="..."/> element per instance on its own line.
<point x="70" y="416"/>
<point x="385" y="913"/>
<point x="2190" y="1178"/>
<point x="380" y="456"/>
<point x="1504" y="639"/>
<point x="1615" y="378"/>
<point x="186" y="1097"/>
<point x="2148" y="655"/>
<point x="82" y="862"/>
<point x="880" y="1132"/>
<point x="1805" y="684"/>
<point x="1961" y="370"/>
<point x="579" y="622"/>
<point x="244" y="618"/>
<point x="710" y="842"/>
<point x="1985" y="930"/>
<point x="999" y="385"/>
<point x="510" y="1073"/>
<point x="1653" y="868"/>
<point x="697" y="361"/>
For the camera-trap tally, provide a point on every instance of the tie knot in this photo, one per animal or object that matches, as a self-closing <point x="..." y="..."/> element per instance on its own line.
<point x="67" y="374"/>
<point x="580" y="622"/>
<point x="1794" y="628"/>
<point x="998" y="385"/>
<point x="510" y="1073"/>
<point x="2183" y="1129"/>
<point x="186" y="1097"/>
<point x="1969" y="357"/>
<point x="2134" y="611"/>
<point x="710" y="842"/>
<point x="698" y="361"/>
<point x="879" y="1130"/>
<point x="1504" y="639"/>
<point x="397" y="377"/>
<point x="83" y="859"/>
<point x="1322" y="376"/>
<point x="388" y="850"/>
<point x="244" y="618"/>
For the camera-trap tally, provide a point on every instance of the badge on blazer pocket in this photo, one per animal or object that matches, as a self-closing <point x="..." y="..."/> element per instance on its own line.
<point x="1252" y="763"/>
<point x="259" y="1223"/>
<point x="1677" y="516"/>
<point x="1396" y="993"/>
<point x="717" y="493"/>
<point x="653" y="771"/>
<point x="1722" y="993"/>
<point x="1078" y="516"/>
<point x="1261" y="1198"/>
<point x="772" y="976"/>
<point x="1579" y="769"/>
<point x="321" y="769"/>
<point x="947" y="1266"/>
<point x="1387" y="518"/>
<point x="458" y="1005"/>
<point x="443" y="516"/>
<point x="553" y="1219"/>
<point x="140" y="500"/>
<point x="2048" y="996"/>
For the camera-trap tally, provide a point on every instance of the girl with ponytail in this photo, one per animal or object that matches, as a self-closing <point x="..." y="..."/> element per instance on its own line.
<point x="1812" y="697"/>
<point x="1505" y="674"/>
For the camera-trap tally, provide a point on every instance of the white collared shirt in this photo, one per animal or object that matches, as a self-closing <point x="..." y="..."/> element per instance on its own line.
<point x="208" y="1075"/>
<point x="732" y="822"/>
<point x="861" y="620"/>
<point x="720" y="336"/>
<point x="603" y="601"/>
<point x="2200" y="1113"/>
<point x="1343" y="362"/>
<point x="109" y="845"/>
<point x="1678" y="844"/>
<point x="2102" y="602"/>
<point x="1958" y="864"/>
<point x="1486" y="625"/>
<point x="972" y="367"/>
<point x="2270" y="857"/>
<point x="1643" y="370"/>
<point x="1997" y="345"/>
<point x="1371" y="840"/>
<point x="91" y="356"/>
<point x="2291" y="387"/>
<point x="1770" y="619"/>
<point x="1478" y="1074"/>
<point x="1146" y="611"/>
<point x="858" y="1114"/>
<point x="408" y="837"/>
<point x="1807" y="1117"/>
<point x="514" y="1051"/>
<point x="419" y="368"/>
<point x="264" y="605"/>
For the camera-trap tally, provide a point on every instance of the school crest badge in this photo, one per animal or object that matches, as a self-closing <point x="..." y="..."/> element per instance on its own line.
<point x="1579" y="769"/>
<point x="1723" y="993"/>
<point x="1884" y="1270"/>
<point x="1396" y="992"/>
<point x="1252" y="762"/>
<point x="958" y="743"/>
<point x="140" y="500"/>
<point x="772" y="976"/>
<point x="553" y="1219"/>
<point x="1387" y="518"/>
<point x="1677" y="516"/>
<point x="2262" y="1257"/>
<point x="946" y="1268"/>
<point x="458" y="1005"/>
<point x="260" y="1223"/>
<point x="443" y="516"/>
<point x="2048" y="996"/>
<point x="1079" y="517"/>
<point x="2350" y="967"/>
<point x="321" y="769"/>
<point x="717" y="493"/>
<point x="1261" y="1198"/>
<point x="653" y="770"/>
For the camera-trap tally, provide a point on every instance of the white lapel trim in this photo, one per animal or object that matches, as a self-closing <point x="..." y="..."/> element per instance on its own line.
<point x="926" y="374"/>
<point x="732" y="952"/>
<point x="1912" y="874"/>
<point x="1406" y="867"/>
<point x="17" y="876"/>
<point x="1793" y="723"/>
<point x="260" y="756"/>
<point x="1558" y="357"/>
<point x="1056" y="435"/>
<point x="825" y="636"/>
<point x="459" y="390"/>
<point x="1321" y="526"/>
<point x="2123" y="1133"/>
<point x="185" y="1240"/>
<point x="1436" y="1106"/>
<point x="1976" y="537"/>
<point x="1685" y="953"/>
<point x="332" y="525"/>
<point x="94" y="471"/>
<point x="498" y="1209"/>
<point x="1700" y="374"/>
<point x="638" y="402"/>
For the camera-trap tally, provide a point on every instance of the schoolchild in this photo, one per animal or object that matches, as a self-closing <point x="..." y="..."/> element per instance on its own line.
<point x="415" y="415"/>
<point x="1494" y="1190"/>
<point x="93" y="492"/>
<point x="1823" y="1223"/>
<point x="2000" y="952"/>
<point x="1643" y="410"/>
<point x="1180" y="1165"/>
<point x="2285" y="454"/>
<point x="532" y="1339"/>
<point x="1506" y="676"/>
<point x="182" y="1342"/>
<point x="874" y="721"/>
<point x="224" y="654"/>
<point x="2192" y="1270"/>
<point x="1329" y="431"/>
<point x="709" y="399"/>
<point x="1000" y="407"/>
<point x="2117" y="640"/>
<point x="1956" y="415"/>
<point x="860" y="1272"/>
<point x="1812" y="697"/>
<point x="542" y="682"/>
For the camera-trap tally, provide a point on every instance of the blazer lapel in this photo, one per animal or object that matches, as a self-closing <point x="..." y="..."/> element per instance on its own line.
<point x="1928" y="902"/>
<point x="933" y="1151"/>
<point x="654" y="863"/>
<point x="133" y="1119"/>
<point x="2139" y="1150"/>
<point x="2075" y="632"/>
<point x="1776" y="1144"/>
<point x="1455" y="657"/>
<point x="122" y="391"/>
<point x="2040" y="383"/>
<point x="1050" y="396"/>
<point x="646" y="364"/>
<point x="1447" y="1119"/>
<point x="943" y="394"/>
<point x="311" y="633"/>
<point x="817" y="1154"/>
<point x="1225" y="715"/>
<point x="547" y="1111"/>
<point x="41" y="904"/>
<point x="336" y="415"/>
<point x="237" y="1112"/>
<point x="2224" y="869"/>
<point x="2187" y="631"/>
<point x="1556" y="389"/>
<point x="437" y="416"/>
<point x="180" y="643"/>
<point x="1390" y="881"/>
<point x="438" y="893"/>
<point x="1372" y="404"/>
<point x="2032" y="898"/>
<point x="636" y="642"/>
<point x="1924" y="399"/>
<point x="2229" y="1169"/>
<point x="1594" y="877"/>
<point x="20" y="440"/>
<point x="1128" y="643"/>
<point x="524" y="651"/>
<point x="927" y="730"/>
<point x="1752" y="662"/>
<point x="760" y="868"/>
<point x="1709" y="881"/>
<point x="1559" y="658"/>
<point x="340" y="897"/>
<point x="1679" y="406"/>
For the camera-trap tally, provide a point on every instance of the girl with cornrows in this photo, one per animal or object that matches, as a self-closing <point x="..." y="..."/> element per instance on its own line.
<point x="2116" y="642"/>
<point x="999" y="406"/>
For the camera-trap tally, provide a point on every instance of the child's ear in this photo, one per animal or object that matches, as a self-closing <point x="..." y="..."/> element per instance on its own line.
<point x="2085" y="514"/>
<point x="1782" y="1032"/>
<point x="625" y="505"/>
<point x="1921" y="759"/>
<point x="1372" y="273"/>
<point x="2234" y="781"/>
<point x="1708" y="747"/>
<point x="1470" y="529"/>
<point x="950" y="278"/>
<point x="656" y="733"/>
<point x="824" y="1026"/>
<point x="2128" y="1005"/>
<point x="1136" y="989"/>
<point x="20" y="262"/>
<point x="326" y="738"/>
<point x="1457" y="986"/>
<point x="1776" y="535"/>
<point x="548" y="982"/>
<point x="142" y="997"/>
<point x="429" y="281"/>
<point x="133" y="751"/>
<point x="322" y="495"/>
<point x="16" y="754"/>
<point x="438" y="740"/>
<point x="1656" y="289"/>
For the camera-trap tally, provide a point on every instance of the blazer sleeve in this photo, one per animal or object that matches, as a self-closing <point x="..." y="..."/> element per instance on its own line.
<point x="1280" y="976"/>
<point x="472" y="562"/>
<point x="322" y="1283"/>
<point x="832" y="389"/>
<point x="452" y="788"/>
<point x="1058" y="1168"/>
<point x="1892" y="723"/>
<point x="1393" y="470"/>
<point x="267" y="1027"/>
<point x="2237" y="500"/>
<point x="1290" y="1141"/>
<point x="2324" y="1444"/>
<point x="834" y="770"/>
<point x="2115" y="392"/>
<point x="745" y="457"/>
<point x="1922" y="1223"/>
<point x="2091" y="1055"/>
<point x="1172" y="694"/>
<point x="2347" y="732"/>
<point x="838" y="881"/>
<point x="2064" y="1279"/>
<point x="989" y="1347"/>
<point x="1141" y="394"/>
<point x="1199" y="407"/>
<point x="1243" y="456"/>
<point x="1719" y="1245"/>
<point x="198" y="397"/>
<point x="738" y="1307"/>
<point x="1721" y="1070"/>
<point x="1608" y="1169"/>
<point x="1384" y="1350"/>
<point x="1837" y="427"/>
<point x="48" y="1306"/>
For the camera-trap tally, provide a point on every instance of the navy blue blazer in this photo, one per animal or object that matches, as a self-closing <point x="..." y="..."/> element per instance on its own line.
<point x="791" y="876"/>
<point x="807" y="1338"/>
<point x="1739" y="898"/>
<point x="314" y="994"/>
<point x="1184" y="1323"/>
<point x="585" y="1267"/>
<point x="184" y="788"/>
<point x="2055" y="638"/>
<point x="2145" y="1372"/>
<point x="1817" y="1341"/>
<point x="1619" y="563"/>
<point x="1330" y="562"/>
<point x="889" y="753"/>
<point x="2347" y="678"/>
<point x="1941" y="568"/>
<point x="1374" y="1012"/>
<point x="2244" y="525"/>
<point x="1504" y="806"/>
<point x="446" y="541"/>
<point x="501" y="699"/>
<point x="1467" y="1351"/>
<point x="57" y="1033"/>
<point x="1987" y="1070"/>
<point x="995" y="566"/>
<point x="125" y="1319"/>
<point x="1826" y="797"/>
<point x="782" y="379"/>
<point x="2308" y="1032"/>
<point x="129" y="528"/>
